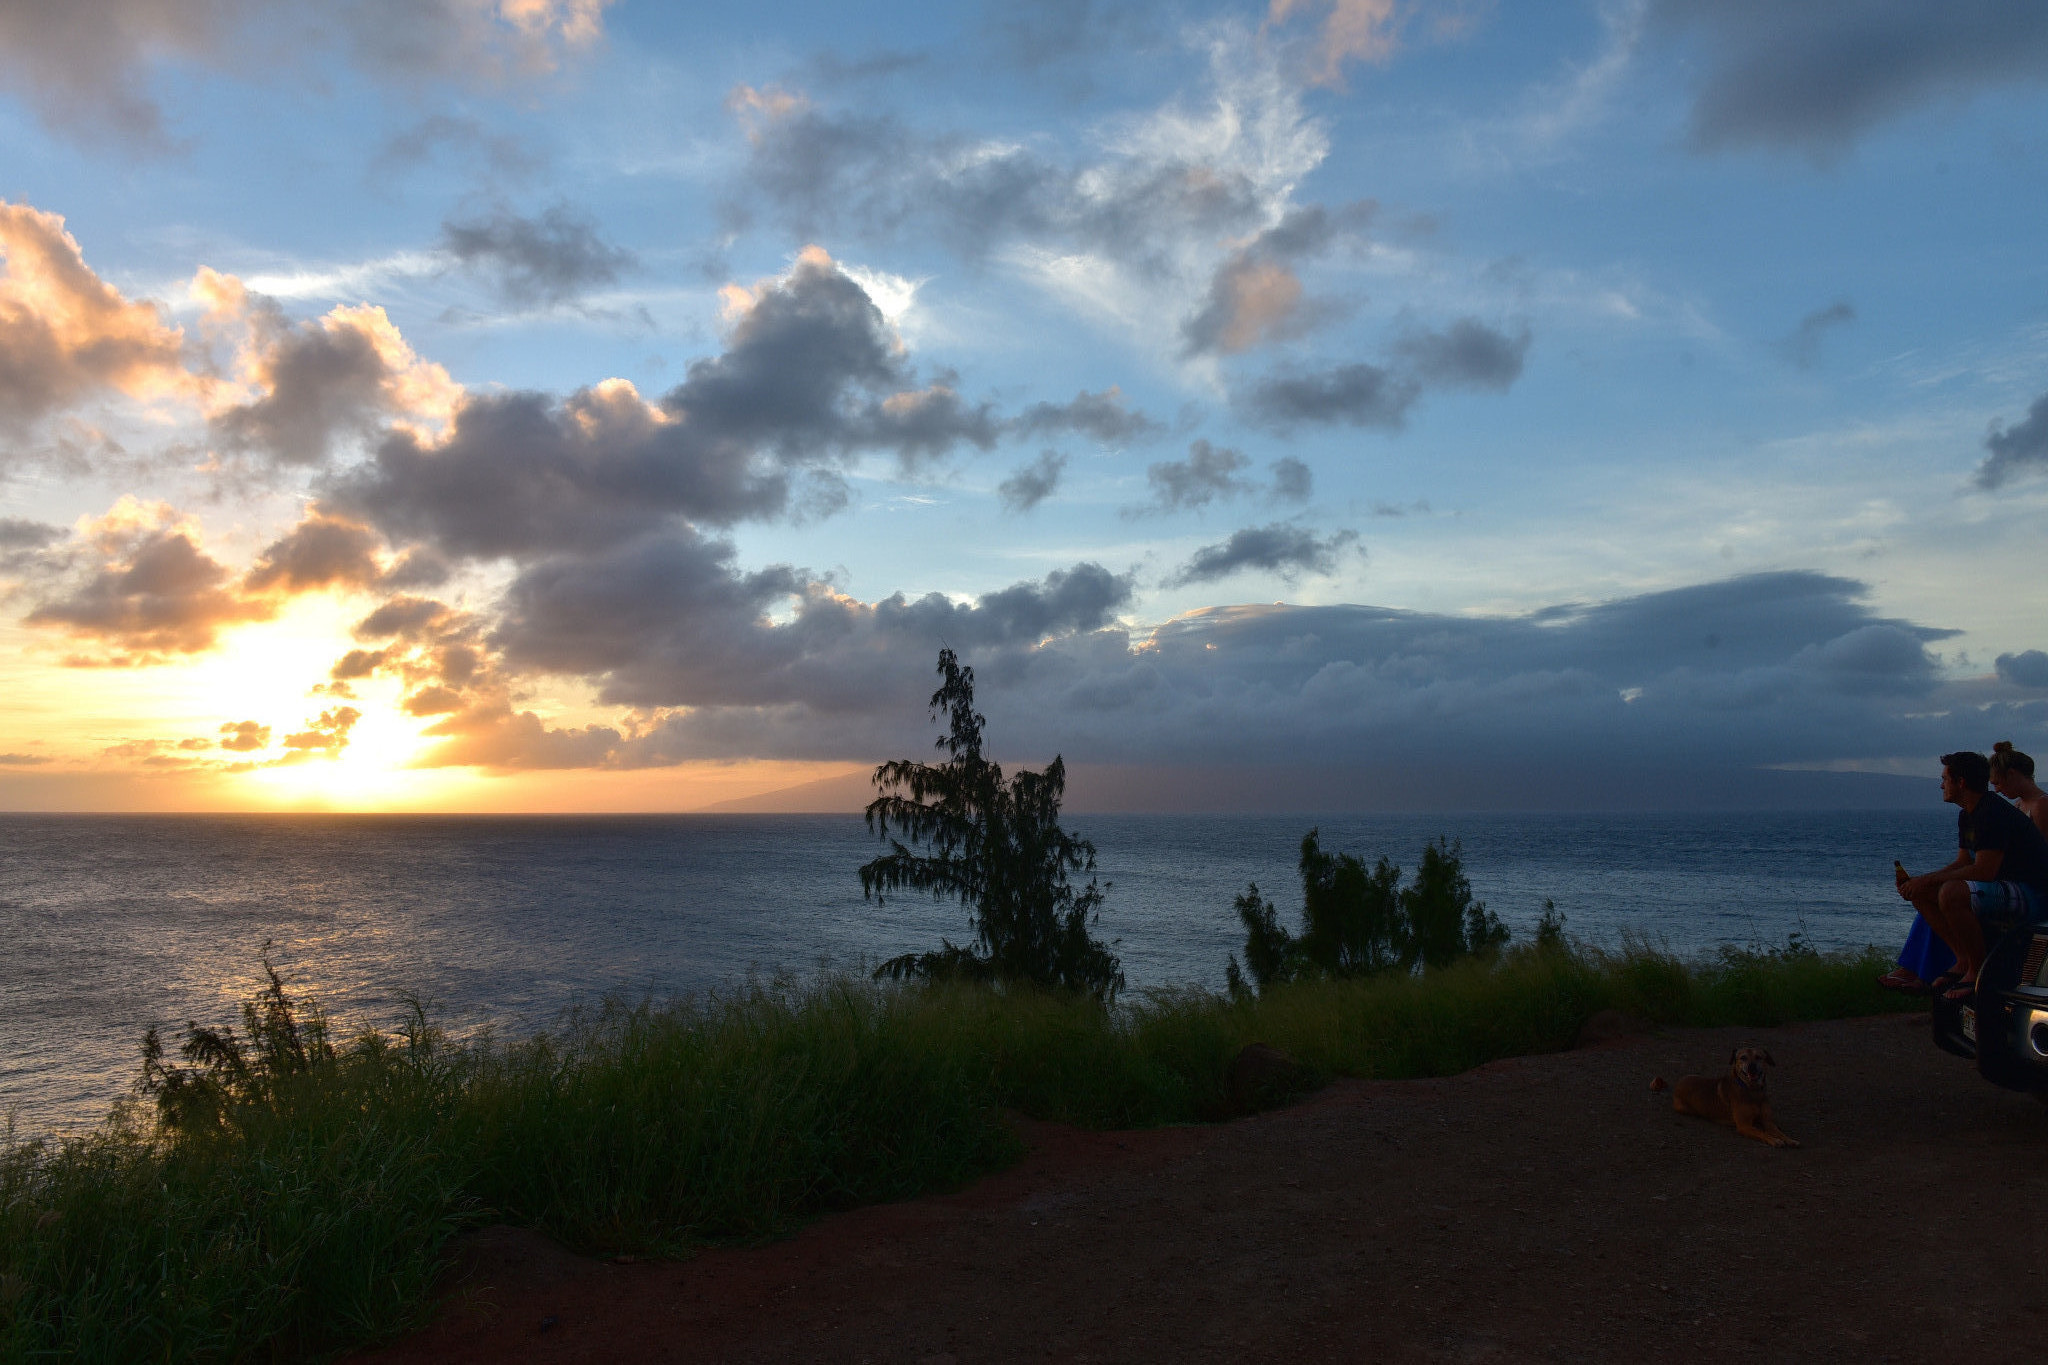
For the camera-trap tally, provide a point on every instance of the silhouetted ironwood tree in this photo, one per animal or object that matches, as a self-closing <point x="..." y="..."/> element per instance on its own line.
<point x="996" y="846"/>
<point x="1357" y="921"/>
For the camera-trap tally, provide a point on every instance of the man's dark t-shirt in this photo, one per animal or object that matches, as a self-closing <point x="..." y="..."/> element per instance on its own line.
<point x="1998" y="825"/>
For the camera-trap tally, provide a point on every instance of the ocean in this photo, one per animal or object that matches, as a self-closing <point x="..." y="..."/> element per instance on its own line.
<point x="111" y="924"/>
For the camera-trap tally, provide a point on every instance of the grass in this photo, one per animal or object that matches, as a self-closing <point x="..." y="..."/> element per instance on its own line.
<point x="728" y="1117"/>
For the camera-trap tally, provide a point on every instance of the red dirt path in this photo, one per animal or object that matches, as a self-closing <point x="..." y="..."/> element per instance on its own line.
<point x="1547" y="1208"/>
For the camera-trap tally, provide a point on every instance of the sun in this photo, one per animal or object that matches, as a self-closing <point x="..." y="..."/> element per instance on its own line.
<point x="267" y="673"/>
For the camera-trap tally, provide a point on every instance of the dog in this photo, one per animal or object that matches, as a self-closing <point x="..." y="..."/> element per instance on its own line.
<point x="1737" y="1098"/>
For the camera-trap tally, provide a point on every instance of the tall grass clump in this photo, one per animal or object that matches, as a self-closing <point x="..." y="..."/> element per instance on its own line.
<point x="277" y="1191"/>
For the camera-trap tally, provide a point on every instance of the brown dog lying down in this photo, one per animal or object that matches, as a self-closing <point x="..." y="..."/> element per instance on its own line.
<point x="1737" y="1098"/>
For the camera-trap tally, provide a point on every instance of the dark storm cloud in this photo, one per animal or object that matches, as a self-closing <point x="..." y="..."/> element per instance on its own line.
<point x="319" y="552"/>
<point x="1804" y="344"/>
<point x="1279" y="548"/>
<point x="1033" y="483"/>
<point x="811" y="374"/>
<point x="1816" y="75"/>
<point x="1358" y="395"/>
<point x="2028" y="668"/>
<point x="2018" y="450"/>
<point x="537" y="262"/>
<point x="1467" y="354"/>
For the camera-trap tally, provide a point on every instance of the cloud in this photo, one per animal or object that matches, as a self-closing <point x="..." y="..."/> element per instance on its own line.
<point x="1292" y="480"/>
<point x="811" y="376"/>
<point x="1370" y="31"/>
<point x="307" y="387"/>
<point x="2028" y="668"/>
<point x="1101" y="415"/>
<point x="537" y="262"/>
<point x="18" y="533"/>
<point x="1467" y="354"/>
<point x="1814" y="77"/>
<point x="244" y="736"/>
<point x="1279" y="548"/>
<point x="1208" y="473"/>
<point x="1803" y="346"/>
<point x="66" y="334"/>
<point x="2016" y="451"/>
<point x="320" y="552"/>
<point x="149" y="590"/>
<point x="1058" y="32"/>
<point x="22" y="543"/>
<point x="1688" y="684"/>
<point x="22" y="760"/>
<point x="1033" y="483"/>
<point x="668" y="620"/>
<point x="86" y="66"/>
<point x="326" y="734"/>
<point x="1359" y="395"/>
<point x="1255" y="295"/>
<point x="504" y="155"/>
<point x="1131" y="231"/>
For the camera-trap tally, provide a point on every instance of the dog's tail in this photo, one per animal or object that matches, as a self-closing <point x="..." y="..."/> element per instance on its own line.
<point x="1659" y="1083"/>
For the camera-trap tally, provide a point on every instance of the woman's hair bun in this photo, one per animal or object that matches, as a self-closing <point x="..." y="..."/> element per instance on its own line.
<point x="2004" y="746"/>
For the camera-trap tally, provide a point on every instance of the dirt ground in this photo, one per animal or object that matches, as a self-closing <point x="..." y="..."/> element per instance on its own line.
<point x="1546" y="1208"/>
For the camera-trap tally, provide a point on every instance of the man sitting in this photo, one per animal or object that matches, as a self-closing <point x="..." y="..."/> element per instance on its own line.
<point x="1998" y="880"/>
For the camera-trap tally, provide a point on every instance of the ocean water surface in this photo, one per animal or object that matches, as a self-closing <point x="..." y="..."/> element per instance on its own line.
<point x="111" y="924"/>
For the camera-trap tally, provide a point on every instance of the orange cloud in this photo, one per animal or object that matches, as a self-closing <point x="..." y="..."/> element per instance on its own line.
<point x="152" y="592"/>
<point x="66" y="334"/>
<point x="301" y="386"/>
<point x="1369" y="30"/>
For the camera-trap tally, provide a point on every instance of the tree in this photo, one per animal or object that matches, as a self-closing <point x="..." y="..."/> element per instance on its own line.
<point x="1358" y="921"/>
<point x="1444" y="922"/>
<point x="996" y="846"/>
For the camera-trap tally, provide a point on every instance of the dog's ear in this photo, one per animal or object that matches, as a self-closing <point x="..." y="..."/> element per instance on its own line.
<point x="1733" y="1053"/>
<point x="1766" y="1055"/>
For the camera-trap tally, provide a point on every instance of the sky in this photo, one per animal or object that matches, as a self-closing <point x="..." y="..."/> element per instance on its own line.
<point x="559" y="405"/>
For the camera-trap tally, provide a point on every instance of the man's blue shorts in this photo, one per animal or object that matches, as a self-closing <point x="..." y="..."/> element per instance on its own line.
<point x="2007" y="905"/>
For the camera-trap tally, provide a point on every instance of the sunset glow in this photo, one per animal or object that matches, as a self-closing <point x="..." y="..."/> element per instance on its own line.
<point x="593" y="406"/>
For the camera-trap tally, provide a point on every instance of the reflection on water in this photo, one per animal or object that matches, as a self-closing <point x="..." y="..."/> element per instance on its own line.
<point x="113" y="923"/>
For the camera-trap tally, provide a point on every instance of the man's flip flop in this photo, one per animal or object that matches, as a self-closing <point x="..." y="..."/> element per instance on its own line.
<point x="1942" y="984"/>
<point x="1899" y="979"/>
<point x="1965" y="994"/>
